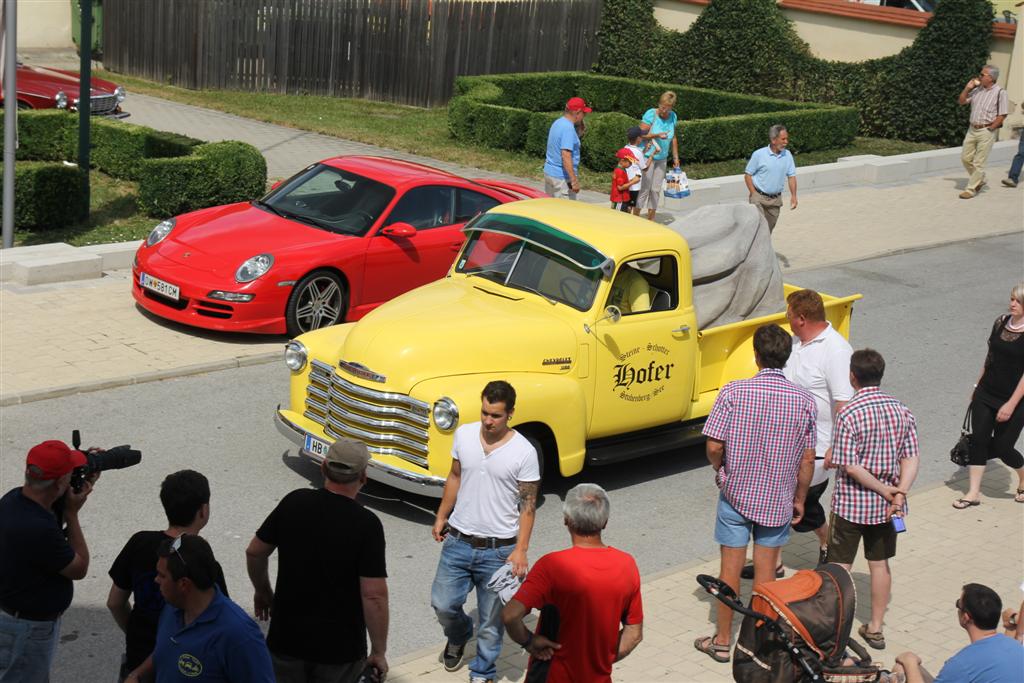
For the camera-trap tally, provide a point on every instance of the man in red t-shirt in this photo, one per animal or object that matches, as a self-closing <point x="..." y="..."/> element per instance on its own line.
<point x="588" y="596"/>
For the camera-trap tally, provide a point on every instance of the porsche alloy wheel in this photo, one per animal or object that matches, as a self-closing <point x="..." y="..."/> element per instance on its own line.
<point x="317" y="301"/>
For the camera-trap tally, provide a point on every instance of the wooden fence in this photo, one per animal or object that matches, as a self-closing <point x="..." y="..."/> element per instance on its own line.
<point x="404" y="51"/>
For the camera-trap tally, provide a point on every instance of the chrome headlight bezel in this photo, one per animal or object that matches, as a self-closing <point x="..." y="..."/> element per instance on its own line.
<point x="159" y="233"/>
<point x="295" y="355"/>
<point x="254" y="267"/>
<point x="61" y="99"/>
<point x="445" y="414"/>
<point x="120" y="94"/>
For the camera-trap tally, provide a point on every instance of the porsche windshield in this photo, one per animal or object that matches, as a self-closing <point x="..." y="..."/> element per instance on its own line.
<point x="518" y="263"/>
<point x="329" y="198"/>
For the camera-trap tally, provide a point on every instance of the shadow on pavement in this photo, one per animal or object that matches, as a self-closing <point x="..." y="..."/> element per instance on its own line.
<point x="240" y="338"/>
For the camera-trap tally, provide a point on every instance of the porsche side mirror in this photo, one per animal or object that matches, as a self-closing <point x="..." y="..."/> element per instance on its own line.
<point x="277" y="184"/>
<point x="399" y="230"/>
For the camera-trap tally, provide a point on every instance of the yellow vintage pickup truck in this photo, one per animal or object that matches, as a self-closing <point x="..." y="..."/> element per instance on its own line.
<point x="588" y="312"/>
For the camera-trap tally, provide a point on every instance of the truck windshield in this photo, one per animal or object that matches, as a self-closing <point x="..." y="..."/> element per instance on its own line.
<point x="519" y="264"/>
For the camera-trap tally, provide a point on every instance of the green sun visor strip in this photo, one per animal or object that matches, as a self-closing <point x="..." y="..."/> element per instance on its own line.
<point x="546" y="237"/>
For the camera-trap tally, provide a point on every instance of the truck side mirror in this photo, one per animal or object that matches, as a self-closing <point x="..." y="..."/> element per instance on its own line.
<point x="612" y="313"/>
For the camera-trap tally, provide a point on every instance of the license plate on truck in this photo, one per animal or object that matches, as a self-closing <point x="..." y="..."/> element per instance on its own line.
<point x="315" y="446"/>
<point x="159" y="286"/>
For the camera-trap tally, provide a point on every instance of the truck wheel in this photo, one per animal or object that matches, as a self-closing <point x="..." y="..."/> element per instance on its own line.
<point x="535" y="442"/>
<point x="318" y="300"/>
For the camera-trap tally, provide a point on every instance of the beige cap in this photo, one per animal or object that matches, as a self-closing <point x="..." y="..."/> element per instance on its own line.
<point x="347" y="455"/>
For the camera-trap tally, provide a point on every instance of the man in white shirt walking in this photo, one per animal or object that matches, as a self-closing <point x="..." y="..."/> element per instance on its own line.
<point x="484" y="521"/>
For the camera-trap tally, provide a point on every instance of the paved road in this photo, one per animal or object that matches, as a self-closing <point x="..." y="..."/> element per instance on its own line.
<point x="927" y="311"/>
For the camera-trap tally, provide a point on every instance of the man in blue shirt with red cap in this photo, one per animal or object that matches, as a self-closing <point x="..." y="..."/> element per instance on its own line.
<point x="38" y="561"/>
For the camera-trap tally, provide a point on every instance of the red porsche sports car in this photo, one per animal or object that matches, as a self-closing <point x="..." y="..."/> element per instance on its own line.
<point x="326" y="246"/>
<point x="41" y="88"/>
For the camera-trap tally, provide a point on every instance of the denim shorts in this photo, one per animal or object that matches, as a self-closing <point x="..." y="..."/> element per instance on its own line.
<point x="733" y="529"/>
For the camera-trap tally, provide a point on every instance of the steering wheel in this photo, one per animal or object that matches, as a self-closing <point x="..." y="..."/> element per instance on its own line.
<point x="565" y="287"/>
<point x="365" y="215"/>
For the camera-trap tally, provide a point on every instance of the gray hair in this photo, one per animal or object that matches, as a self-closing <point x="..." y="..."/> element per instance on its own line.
<point x="36" y="482"/>
<point x="586" y="509"/>
<point x="775" y="131"/>
<point x="993" y="71"/>
<point x="1017" y="293"/>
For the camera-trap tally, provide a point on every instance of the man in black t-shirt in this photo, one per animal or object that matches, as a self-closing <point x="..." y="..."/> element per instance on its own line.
<point x="39" y="560"/>
<point x="185" y="496"/>
<point x="331" y="581"/>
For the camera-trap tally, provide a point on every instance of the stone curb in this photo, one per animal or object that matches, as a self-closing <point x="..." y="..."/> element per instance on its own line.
<point x="141" y="378"/>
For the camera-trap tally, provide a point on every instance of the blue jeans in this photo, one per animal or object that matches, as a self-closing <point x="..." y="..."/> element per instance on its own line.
<point x="1018" y="160"/>
<point x="460" y="569"/>
<point x="733" y="530"/>
<point x="26" y="649"/>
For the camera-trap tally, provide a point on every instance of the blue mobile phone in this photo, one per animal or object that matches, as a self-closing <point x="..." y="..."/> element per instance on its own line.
<point x="899" y="525"/>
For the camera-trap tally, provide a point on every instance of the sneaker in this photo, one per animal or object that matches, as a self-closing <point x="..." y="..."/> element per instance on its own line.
<point x="748" y="572"/>
<point x="480" y="679"/>
<point x="451" y="656"/>
<point x="967" y="194"/>
<point x="822" y="555"/>
<point x="1009" y="182"/>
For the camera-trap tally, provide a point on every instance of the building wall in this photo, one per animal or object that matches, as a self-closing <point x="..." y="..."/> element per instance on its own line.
<point x="44" y="24"/>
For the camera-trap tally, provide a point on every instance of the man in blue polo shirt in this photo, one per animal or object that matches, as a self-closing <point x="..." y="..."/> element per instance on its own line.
<point x="562" y="156"/>
<point x="202" y="635"/>
<point x="767" y="171"/>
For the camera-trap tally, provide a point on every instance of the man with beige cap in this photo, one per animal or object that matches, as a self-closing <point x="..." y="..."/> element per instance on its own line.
<point x="331" y="581"/>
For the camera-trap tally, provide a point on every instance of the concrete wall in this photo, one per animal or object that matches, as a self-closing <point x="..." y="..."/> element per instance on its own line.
<point x="44" y="24"/>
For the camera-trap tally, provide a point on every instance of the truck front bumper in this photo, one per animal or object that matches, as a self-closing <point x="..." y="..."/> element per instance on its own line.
<point x="395" y="477"/>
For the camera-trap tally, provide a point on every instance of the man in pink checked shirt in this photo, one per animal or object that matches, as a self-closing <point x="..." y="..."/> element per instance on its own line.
<point x="760" y="441"/>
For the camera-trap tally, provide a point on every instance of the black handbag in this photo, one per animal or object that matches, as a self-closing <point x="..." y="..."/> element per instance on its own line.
<point x="961" y="453"/>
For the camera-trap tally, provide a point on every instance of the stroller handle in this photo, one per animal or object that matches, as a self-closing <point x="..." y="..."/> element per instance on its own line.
<point x="722" y="591"/>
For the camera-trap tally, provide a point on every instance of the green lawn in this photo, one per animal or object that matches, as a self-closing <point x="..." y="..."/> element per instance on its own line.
<point x="424" y="132"/>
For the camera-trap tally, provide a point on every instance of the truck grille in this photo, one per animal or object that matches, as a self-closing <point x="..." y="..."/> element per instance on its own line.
<point x="388" y="423"/>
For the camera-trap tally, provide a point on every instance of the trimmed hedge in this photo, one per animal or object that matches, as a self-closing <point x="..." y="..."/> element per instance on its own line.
<point x="515" y="111"/>
<point x="175" y="173"/>
<point x="216" y="173"/>
<point x="749" y="46"/>
<point x="46" y="194"/>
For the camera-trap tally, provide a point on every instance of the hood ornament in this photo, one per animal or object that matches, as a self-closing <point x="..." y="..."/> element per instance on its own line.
<point x="361" y="371"/>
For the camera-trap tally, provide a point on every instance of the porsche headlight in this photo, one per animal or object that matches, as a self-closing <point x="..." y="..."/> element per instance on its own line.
<point x="161" y="231"/>
<point x="61" y="99"/>
<point x="120" y="94"/>
<point x="446" y="414"/>
<point x="295" y="355"/>
<point x="253" y="268"/>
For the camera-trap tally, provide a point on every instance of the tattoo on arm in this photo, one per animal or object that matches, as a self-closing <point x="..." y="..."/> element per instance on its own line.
<point x="528" y="495"/>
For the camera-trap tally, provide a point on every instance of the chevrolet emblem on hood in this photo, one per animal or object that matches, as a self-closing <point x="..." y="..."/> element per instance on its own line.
<point x="361" y="371"/>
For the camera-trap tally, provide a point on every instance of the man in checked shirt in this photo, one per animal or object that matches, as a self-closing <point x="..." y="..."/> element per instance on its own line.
<point x="760" y="442"/>
<point x="874" y="446"/>
<point x="989" y="106"/>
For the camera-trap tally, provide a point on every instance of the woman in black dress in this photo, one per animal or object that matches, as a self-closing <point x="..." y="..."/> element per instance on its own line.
<point x="997" y="411"/>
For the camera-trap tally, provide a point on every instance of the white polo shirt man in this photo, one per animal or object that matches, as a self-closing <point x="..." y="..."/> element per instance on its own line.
<point x="822" y="367"/>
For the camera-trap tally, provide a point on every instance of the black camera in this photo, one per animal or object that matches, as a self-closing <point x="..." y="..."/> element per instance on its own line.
<point x="115" y="458"/>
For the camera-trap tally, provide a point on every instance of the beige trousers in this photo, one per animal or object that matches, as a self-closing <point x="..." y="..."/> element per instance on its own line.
<point x="977" y="144"/>
<point x="769" y="208"/>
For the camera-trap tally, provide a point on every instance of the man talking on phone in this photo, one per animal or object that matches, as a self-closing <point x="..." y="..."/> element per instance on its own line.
<point x="874" y="446"/>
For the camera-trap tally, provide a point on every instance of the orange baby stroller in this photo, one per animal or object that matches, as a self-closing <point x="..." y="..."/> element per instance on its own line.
<point x="798" y="629"/>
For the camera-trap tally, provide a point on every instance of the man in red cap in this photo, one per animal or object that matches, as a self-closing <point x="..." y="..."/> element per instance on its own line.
<point x="37" y="561"/>
<point x="562" y="158"/>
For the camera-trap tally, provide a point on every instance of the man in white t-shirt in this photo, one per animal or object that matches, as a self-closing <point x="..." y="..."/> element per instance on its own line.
<point x="819" y="363"/>
<point x="492" y="486"/>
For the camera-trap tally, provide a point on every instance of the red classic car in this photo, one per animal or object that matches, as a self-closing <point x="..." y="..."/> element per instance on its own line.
<point x="41" y="88"/>
<point x="326" y="246"/>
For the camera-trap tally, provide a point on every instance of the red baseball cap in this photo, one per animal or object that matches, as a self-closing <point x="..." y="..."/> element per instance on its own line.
<point x="578" y="104"/>
<point x="625" y="154"/>
<point x="54" y="459"/>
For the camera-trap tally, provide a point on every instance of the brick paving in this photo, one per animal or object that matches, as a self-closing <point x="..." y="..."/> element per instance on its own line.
<point x="943" y="549"/>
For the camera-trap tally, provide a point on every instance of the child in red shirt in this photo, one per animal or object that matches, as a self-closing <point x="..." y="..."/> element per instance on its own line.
<point x="621" y="182"/>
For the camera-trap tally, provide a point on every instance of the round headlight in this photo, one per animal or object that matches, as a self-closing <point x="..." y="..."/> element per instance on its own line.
<point x="61" y="99"/>
<point x="253" y="268"/>
<point x="295" y="355"/>
<point x="120" y="94"/>
<point x="162" y="230"/>
<point x="446" y="414"/>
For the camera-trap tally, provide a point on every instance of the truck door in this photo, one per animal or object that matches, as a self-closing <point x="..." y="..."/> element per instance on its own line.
<point x="644" y="367"/>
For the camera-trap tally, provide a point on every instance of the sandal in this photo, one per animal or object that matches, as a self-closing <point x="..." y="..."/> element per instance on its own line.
<point x="963" y="503"/>
<point x="1019" y="498"/>
<point x="873" y="638"/>
<point x="707" y="645"/>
